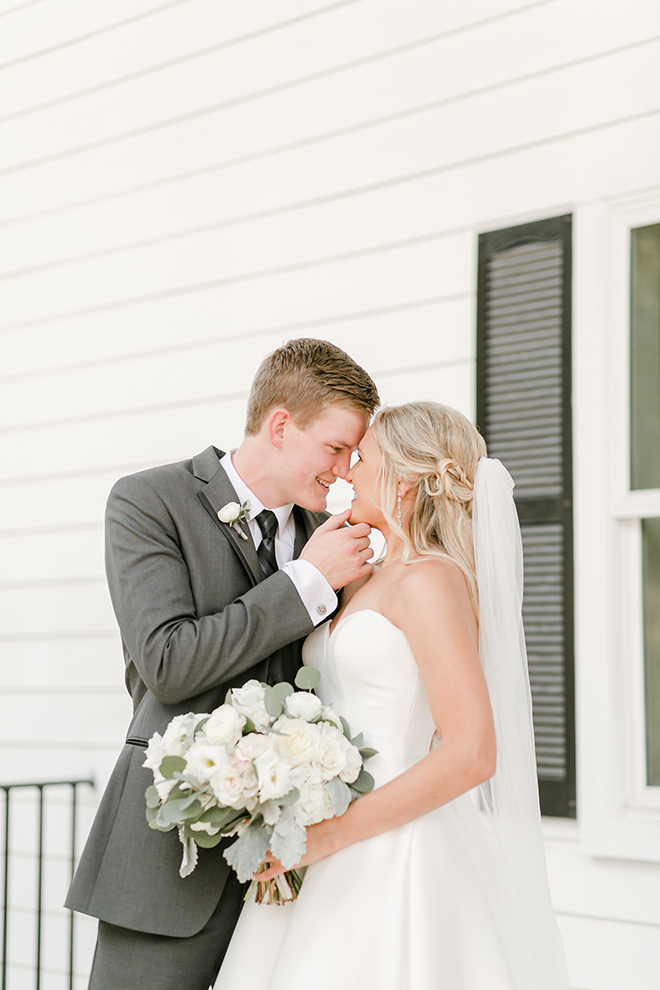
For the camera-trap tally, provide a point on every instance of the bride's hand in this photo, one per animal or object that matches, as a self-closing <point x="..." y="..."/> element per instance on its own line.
<point x="319" y="845"/>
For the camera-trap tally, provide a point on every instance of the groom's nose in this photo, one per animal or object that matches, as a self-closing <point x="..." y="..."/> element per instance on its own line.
<point x="342" y="464"/>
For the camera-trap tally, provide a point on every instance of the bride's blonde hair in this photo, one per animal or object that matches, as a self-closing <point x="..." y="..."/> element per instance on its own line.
<point x="434" y="449"/>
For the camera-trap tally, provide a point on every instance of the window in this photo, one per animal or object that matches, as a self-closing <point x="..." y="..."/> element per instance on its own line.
<point x="524" y="413"/>
<point x="645" y="460"/>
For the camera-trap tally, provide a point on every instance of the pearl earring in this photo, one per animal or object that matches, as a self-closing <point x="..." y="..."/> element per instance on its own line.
<point x="398" y="508"/>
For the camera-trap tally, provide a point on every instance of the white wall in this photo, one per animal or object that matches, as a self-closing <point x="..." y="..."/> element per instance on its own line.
<point x="185" y="185"/>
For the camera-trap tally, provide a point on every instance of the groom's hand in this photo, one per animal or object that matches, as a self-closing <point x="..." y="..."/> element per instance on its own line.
<point x="341" y="553"/>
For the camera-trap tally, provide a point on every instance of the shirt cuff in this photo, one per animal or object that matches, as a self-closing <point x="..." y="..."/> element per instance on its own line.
<point x="317" y="596"/>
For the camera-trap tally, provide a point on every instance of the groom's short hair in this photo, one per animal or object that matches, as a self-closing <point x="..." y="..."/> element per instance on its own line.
<point x="306" y="376"/>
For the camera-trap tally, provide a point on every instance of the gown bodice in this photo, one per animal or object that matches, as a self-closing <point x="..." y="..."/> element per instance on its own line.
<point x="370" y="677"/>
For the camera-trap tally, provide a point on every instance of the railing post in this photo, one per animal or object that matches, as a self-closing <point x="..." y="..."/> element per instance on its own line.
<point x="5" y="894"/>
<point x="7" y="788"/>
<point x="74" y="796"/>
<point x="40" y="883"/>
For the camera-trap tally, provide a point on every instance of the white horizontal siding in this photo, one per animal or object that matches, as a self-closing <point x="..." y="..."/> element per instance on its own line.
<point x="184" y="186"/>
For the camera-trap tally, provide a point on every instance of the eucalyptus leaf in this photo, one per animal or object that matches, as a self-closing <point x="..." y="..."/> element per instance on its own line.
<point x="289" y="798"/>
<point x="359" y="739"/>
<point x="248" y="727"/>
<point x="307" y="678"/>
<point x="186" y="802"/>
<point x="283" y="689"/>
<point x="152" y="797"/>
<point x="246" y="854"/>
<point x="364" y="782"/>
<point x="344" y="725"/>
<point x="200" y="725"/>
<point x="340" y="795"/>
<point x="151" y="813"/>
<point x="272" y="702"/>
<point x="170" y="764"/>
<point x="179" y="811"/>
<point x="289" y="840"/>
<point x="366" y="753"/>
<point x="217" y="815"/>
<point x="228" y="697"/>
<point x="206" y="841"/>
<point x="161" y="825"/>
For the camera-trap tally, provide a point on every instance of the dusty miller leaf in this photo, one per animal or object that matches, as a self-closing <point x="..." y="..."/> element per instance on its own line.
<point x="289" y="840"/>
<point x="245" y="855"/>
<point x="340" y="795"/>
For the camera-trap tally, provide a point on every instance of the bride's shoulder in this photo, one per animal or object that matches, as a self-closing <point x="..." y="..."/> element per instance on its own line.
<point x="431" y="578"/>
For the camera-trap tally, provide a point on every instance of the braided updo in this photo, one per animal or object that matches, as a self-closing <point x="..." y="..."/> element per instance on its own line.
<point x="434" y="449"/>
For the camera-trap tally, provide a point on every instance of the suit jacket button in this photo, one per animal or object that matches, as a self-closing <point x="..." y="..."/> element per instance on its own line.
<point x="321" y="609"/>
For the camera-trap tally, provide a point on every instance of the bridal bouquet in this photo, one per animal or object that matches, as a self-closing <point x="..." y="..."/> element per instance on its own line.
<point x="263" y="766"/>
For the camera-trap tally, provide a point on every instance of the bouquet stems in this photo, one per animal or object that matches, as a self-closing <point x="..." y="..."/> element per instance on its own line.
<point x="279" y="890"/>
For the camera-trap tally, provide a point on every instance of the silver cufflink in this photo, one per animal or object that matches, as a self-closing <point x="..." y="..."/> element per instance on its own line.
<point x="321" y="609"/>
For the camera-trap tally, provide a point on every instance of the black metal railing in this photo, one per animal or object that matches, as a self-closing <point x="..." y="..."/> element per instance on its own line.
<point x="40" y="789"/>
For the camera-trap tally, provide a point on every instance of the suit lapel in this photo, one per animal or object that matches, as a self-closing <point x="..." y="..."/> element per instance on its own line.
<point x="215" y="494"/>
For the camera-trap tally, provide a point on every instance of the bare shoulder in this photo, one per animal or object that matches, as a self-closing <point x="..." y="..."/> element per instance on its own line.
<point x="433" y="586"/>
<point x="350" y="590"/>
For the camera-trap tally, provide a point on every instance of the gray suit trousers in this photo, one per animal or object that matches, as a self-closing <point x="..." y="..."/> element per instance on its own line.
<point x="130" y="960"/>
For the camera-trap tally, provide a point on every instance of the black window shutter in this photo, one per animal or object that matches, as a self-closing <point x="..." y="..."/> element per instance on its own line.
<point x="524" y="414"/>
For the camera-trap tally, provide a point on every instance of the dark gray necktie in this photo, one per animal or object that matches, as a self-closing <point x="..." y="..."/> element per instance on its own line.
<point x="266" y="550"/>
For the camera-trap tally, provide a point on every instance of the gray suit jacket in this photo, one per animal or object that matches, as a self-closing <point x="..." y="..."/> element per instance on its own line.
<point x="196" y="618"/>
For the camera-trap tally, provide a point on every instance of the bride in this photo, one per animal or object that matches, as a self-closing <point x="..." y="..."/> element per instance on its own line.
<point x="422" y="885"/>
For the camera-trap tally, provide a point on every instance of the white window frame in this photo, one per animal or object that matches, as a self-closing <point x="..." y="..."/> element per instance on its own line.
<point x="619" y="814"/>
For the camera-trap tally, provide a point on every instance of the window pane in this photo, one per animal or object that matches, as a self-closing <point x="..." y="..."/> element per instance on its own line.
<point x="645" y="357"/>
<point x="651" y="565"/>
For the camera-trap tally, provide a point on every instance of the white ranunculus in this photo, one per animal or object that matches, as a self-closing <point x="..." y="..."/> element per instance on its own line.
<point x="224" y="727"/>
<point x="302" y="704"/>
<point x="330" y="758"/>
<point x="249" y="701"/>
<point x="229" y="512"/>
<point x="353" y="762"/>
<point x="313" y="805"/>
<point x="179" y="734"/>
<point x="227" y="785"/>
<point x="204" y="760"/>
<point x="252" y="746"/>
<point x="297" y="741"/>
<point x="273" y="776"/>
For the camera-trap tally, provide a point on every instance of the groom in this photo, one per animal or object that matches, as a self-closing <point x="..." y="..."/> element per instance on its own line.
<point x="202" y="609"/>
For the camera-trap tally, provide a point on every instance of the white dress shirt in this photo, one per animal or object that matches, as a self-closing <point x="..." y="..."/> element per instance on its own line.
<point x="317" y="596"/>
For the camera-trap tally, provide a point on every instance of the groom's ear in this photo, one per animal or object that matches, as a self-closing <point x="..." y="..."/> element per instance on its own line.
<point x="277" y="422"/>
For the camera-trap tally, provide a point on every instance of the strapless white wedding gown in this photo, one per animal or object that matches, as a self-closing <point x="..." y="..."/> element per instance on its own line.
<point x="416" y="908"/>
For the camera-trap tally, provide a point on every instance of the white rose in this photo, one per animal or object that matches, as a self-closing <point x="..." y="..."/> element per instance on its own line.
<point x="227" y="785"/>
<point x="313" y="805"/>
<point x="179" y="734"/>
<point x="249" y="778"/>
<point x="229" y="512"/>
<point x="273" y="776"/>
<point x="249" y="701"/>
<point x="330" y="758"/>
<point x="305" y="773"/>
<point x="297" y="742"/>
<point x="203" y="761"/>
<point x="302" y="704"/>
<point x="252" y="746"/>
<point x="224" y="727"/>
<point x="328" y="713"/>
<point x="353" y="762"/>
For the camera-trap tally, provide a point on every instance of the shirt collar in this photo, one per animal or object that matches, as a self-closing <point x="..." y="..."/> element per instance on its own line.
<point x="283" y="512"/>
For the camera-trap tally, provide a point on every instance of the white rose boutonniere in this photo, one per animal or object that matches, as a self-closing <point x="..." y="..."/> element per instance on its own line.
<point x="232" y="513"/>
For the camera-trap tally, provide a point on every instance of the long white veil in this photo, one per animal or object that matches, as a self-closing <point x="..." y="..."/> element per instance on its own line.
<point x="510" y="798"/>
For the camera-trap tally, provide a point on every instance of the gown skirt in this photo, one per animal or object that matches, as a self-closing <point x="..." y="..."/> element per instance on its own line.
<point x="420" y="907"/>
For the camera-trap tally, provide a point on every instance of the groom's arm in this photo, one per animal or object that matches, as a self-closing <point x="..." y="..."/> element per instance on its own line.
<point x="178" y="653"/>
